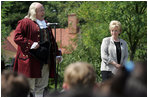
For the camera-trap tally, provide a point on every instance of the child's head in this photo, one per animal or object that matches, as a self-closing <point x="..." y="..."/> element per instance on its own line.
<point x="14" y="84"/>
<point x="113" y="24"/>
<point x="79" y="74"/>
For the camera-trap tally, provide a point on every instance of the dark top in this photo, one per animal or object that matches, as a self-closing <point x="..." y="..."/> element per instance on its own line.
<point x="118" y="51"/>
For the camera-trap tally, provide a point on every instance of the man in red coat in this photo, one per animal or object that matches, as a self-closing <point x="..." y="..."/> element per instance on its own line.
<point x="29" y="34"/>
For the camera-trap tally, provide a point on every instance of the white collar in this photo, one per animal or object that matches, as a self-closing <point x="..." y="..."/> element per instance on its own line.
<point x="42" y="23"/>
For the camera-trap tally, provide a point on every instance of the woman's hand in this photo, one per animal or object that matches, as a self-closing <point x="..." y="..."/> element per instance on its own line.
<point x="116" y="64"/>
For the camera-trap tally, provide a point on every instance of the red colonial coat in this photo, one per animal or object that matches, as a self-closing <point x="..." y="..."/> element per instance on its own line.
<point x="27" y="32"/>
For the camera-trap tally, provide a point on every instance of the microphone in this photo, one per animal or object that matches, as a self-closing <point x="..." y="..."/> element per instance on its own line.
<point x="49" y="24"/>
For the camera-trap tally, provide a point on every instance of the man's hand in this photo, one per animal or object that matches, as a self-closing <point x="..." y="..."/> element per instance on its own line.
<point x="59" y="59"/>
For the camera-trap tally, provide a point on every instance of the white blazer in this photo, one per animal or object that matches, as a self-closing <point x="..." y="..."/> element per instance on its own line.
<point x="108" y="54"/>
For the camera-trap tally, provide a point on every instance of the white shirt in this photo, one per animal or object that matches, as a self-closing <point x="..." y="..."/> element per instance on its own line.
<point x="42" y="24"/>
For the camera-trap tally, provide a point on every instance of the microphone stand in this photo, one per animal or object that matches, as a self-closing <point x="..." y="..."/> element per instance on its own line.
<point x="55" y="67"/>
<point x="55" y="61"/>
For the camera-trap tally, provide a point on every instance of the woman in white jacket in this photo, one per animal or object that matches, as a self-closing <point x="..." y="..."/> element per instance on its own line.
<point x="114" y="51"/>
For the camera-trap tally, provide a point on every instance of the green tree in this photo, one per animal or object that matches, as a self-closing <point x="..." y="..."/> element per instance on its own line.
<point x="132" y="15"/>
<point x="4" y="9"/>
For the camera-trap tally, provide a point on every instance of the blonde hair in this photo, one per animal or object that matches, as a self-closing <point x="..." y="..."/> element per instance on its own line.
<point x="80" y="74"/>
<point x="32" y="11"/>
<point x="114" y="24"/>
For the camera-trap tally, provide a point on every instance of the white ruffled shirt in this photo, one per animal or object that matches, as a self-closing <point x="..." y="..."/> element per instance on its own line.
<point x="42" y="24"/>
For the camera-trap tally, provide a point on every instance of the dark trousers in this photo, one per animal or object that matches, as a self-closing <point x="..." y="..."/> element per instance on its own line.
<point x="106" y="75"/>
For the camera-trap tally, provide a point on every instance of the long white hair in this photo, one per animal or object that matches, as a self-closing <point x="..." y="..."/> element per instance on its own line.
<point x="32" y="11"/>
